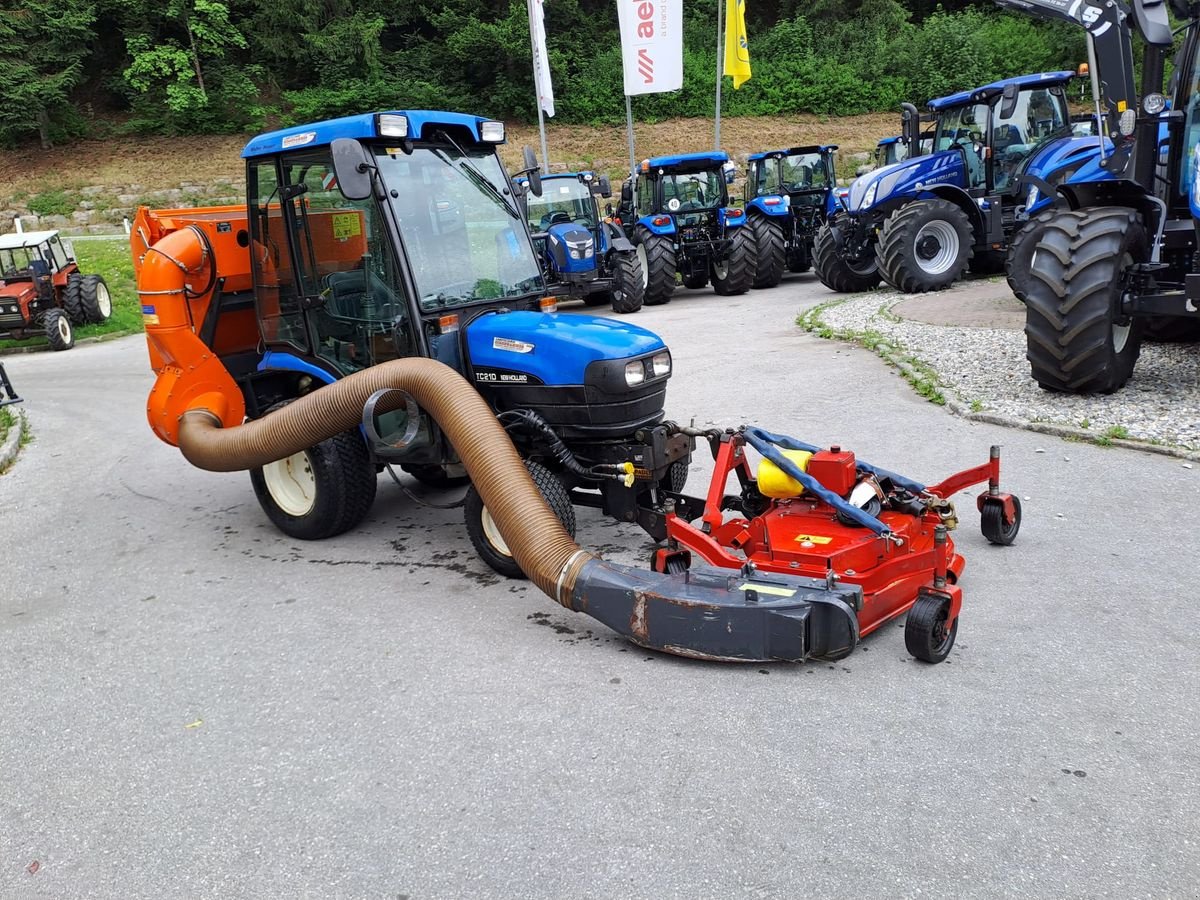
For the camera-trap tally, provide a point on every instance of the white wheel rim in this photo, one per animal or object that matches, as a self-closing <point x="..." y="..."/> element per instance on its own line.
<point x="946" y="253"/>
<point x="64" y="329"/>
<point x="291" y="484"/>
<point x="492" y="533"/>
<point x="720" y="271"/>
<point x="103" y="301"/>
<point x="641" y="255"/>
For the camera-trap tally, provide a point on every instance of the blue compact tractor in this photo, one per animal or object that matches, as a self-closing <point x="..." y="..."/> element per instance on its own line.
<point x="676" y="212"/>
<point x="789" y="195"/>
<point x="583" y="254"/>
<point x="917" y="224"/>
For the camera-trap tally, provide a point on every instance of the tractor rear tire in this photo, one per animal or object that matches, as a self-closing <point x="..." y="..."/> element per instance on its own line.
<point x="696" y="280"/>
<point x="924" y="246"/>
<point x="772" y="255"/>
<point x="736" y="274"/>
<point x="1021" y="250"/>
<point x="835" y="271"/>
<point x="629" y="283"/>
<point x="925" y="633"/>
<point x="72" y="299"/>
<point x="59" y="331"/>
<point x="319" y="492"/>
<point x="988" y="262"/>
<point x="485" y="535"/>
<point x="801" y="260"/>
<point x="657" y="254"/>
<point x="97" y="302"/>
<point x="1076" y="339"/>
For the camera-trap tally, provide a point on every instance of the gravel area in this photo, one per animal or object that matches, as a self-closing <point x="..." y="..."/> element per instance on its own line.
<point x="985" y="371"/>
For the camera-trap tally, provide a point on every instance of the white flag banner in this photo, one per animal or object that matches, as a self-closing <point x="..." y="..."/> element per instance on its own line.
<point x="651" y="45"/>
<point x="541" y="59"/>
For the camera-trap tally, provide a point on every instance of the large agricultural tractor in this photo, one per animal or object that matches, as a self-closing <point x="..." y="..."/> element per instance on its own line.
<point x="43" y="292"/>
<point x="919" y="223"/>
<point x="1117" y="258"/>
<point x="676" y="211"/>
<point x="789" y="195"/>
<point x="583" y="254"/>
<point x="394" y="237"/>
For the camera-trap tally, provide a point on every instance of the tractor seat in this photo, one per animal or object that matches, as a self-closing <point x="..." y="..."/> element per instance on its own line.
<point x="347" y="290"/>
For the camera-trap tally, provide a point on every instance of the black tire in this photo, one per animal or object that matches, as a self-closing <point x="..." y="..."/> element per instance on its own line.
<point x="993" y="526"/>
<point x="59" y="331"/>
<point x="696" y="280"/>
<point x="924" y="246"/>
<point x="800" y="260"/>
<point x="435" y="476"/>
<point x="596" y="298"/>
<point x="925" y="633"/>
<point x="97" y="302"/>
<point x="319" y="492"/>
<point x="485" y="537"/>
<point x="987" y="262"/>
<point x="1075" y="337"/>
<point x="657" y="258"/>
<point x="1171" y="329"/>
<point x="835" y="271"/>
<point x="771" y="253"/>
<point x="629" y="283"/>
<point x="1021" y="249"/>
<point x="735" y="274"/>
<point x="72" y="299"/>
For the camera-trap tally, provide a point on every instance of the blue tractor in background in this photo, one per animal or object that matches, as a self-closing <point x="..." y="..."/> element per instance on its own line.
<point x="676" y="212"/>
<point x="789" y="195"/>
<point x="918" y="224"/>
<point x="583" y="254"/>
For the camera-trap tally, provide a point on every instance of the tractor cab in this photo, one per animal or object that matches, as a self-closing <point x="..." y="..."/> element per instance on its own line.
<point x="29" y="263"/>
<point x="890" y="150"/>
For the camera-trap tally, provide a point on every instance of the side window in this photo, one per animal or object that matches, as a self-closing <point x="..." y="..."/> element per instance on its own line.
<point x="771" y="184"/>
<point x="645" y="196"/>
<point x="347" y="261"/>
<point x="275" y="291"/>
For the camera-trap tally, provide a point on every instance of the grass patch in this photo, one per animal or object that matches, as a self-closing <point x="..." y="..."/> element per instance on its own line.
<point x="112" y="260"/>
<point x="1117" y="432"/>
<point x="54" y="203"/>
<point x="7" y="421"/>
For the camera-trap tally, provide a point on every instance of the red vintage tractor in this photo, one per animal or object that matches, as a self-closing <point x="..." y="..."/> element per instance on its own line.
<point x="42" y="290"/>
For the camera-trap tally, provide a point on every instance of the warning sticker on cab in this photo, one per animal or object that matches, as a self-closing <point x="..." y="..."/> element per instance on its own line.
<point x="814" y="539"/>
<point x="346" y="226"/>
<point x="770" y="589"/>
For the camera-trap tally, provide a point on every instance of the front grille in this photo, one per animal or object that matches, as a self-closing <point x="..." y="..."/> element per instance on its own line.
<point x="11" y="320"/>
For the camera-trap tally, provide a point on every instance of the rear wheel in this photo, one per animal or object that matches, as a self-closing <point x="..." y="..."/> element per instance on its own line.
<point x="59" y="331"/>
<point x="1021" y="250"/>
<point x="657" y="256"/>
<point x="319" y="492"/>
<point x="800" y="260"/>
<point x="735" y="273"/>
<point x="837" y="270"/>
<point x="629" y="283"/>
<point x="695" y="280"/>
<point x="97" y="303"/>
<point x="72" y="299"/>
<point x="924" y="246"/>
<point x="987" y="262"/>
<point x="927" y="635"/>
<point x="485" y="534"/>
<point x="771" y="254"/>
<point x="1077" y="339"/>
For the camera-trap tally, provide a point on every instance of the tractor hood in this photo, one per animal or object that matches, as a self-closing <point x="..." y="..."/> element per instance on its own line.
<point x="1070" y="159"/>
<point x="552" y="349"/>
<point x="572" y="248"/>
<point x="906" y="178"/>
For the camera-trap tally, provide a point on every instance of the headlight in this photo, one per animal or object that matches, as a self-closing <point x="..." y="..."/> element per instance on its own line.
<point x="635" y="373"/>
<point x="582" y="249"/>
<point x="869" y="197"/>
<point x="1126" y="121"/>
<point x="493" y="132"/>
<point x="660" y="363"/>
<point x="1153" y="104"/>
<point x="393" y="126"/>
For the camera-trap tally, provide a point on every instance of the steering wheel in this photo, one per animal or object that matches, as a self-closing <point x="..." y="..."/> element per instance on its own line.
<point x="558" y="217"/>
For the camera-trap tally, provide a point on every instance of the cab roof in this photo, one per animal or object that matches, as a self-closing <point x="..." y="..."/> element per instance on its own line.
<point x="694" y="161"/>
<point x="362" y="126"/>
<point x="26" y="239"/>
<point x="792" y="151"/>
<point x="988" y="91"/>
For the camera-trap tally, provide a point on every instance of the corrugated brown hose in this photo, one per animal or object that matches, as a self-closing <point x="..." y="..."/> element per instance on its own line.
<point x="539" y="543"/>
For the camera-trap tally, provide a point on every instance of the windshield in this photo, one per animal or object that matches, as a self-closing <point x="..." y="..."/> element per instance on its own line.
<point x="563" y="200"/>
<point x="697" y="190"/>
<point x="15" y="263"/>
<point x="1038" y="116"/>
<point x="803" y="172"/>
<point x="463" y="237"/>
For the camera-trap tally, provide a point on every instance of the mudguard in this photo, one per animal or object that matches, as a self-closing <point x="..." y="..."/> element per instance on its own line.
<point x="731" y="216"/>
<point x="768" y="205"/>
<point x="907" y="180"/>
<point x="667" y="228"/>
<point x="616" y="238"/>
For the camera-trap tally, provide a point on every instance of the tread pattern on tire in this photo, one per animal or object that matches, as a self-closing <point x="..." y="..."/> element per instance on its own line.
<point x="660" y="264"/>
<point x="1070" y="298"/>
<point x="771" y="253"/>
<point x="832" y="269"/>
<point x="90" y="300"/>
<point x="895" y="250"/>
<point x="919" y="628"/>
<point x="627" y="276"/>
<point x="1020" y="252"/>
<point x="50" y="323"/>
<point x="72" y="299"/>
<point x="740" y="265"/>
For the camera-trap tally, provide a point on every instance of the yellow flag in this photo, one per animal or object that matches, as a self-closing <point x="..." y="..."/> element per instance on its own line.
<point x="737" y="54"/>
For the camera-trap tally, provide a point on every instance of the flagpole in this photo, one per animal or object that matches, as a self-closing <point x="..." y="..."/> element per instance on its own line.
<point x="629" y="132"/>
<point x="537" y="93"/>
<point x="720" y="73"/>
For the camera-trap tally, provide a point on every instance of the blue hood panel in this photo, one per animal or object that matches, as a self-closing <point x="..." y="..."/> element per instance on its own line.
<point x="554" y="348"/>
<point x="908" y="178"/>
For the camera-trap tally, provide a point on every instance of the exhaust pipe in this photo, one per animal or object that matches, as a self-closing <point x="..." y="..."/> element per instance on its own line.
<point x="706" y="612"/>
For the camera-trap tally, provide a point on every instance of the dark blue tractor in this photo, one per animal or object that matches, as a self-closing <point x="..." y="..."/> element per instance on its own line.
<point x="789" y="195"/>
<point x="583" y="254"/>
<point x="394" y="235"/>
<point x="676" y="212"/>
<point x="917" y="224"/>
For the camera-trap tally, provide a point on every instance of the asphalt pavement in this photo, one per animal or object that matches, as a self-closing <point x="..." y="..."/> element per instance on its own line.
<point x="192" y="705"/>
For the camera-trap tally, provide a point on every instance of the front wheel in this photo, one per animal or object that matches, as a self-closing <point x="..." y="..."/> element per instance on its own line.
<point x="485" y="534"/>
<point x="656" y="254"/>
<point x="319" y="492"/>
<point x="96" y="301"/>
<point x="1077" y="337"/>
<point x="735" y="273"/>
<point x="59" y="331"/>
<point x="924" y="246"/>
<point x="628" y="283"/>
<point x="837" y="269"/>
<point x="772" y="255"/>
<point x="927" y="635"/>
<point x="1021" y="250"/>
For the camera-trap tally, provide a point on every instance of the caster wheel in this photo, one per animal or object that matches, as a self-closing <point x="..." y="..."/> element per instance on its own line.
<point x="992" y="523"/>
<point x="925" y="633"/>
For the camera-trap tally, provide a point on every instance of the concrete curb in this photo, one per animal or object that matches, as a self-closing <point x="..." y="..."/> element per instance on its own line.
<point x="98" y="339"/>
<point x="12" y="441"/>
